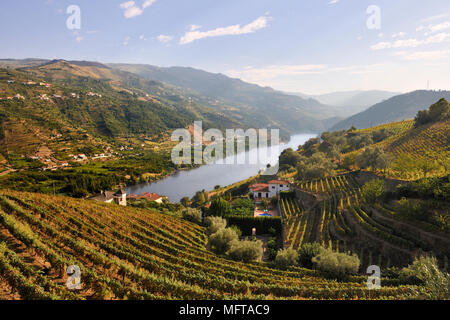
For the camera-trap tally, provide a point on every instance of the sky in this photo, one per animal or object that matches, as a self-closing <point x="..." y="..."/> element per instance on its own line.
<point x="306" y="46"/>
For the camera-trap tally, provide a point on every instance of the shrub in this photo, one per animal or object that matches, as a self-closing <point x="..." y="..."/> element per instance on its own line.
<point x="192" y="215"/>
<point x="221" y="241"/>
<point x="237" y="230"/>
<point x="286" y="258"/>
<point x="436" y="283"/>
<point x="336" y="265"/>
<point x="246" y="251"/>
<point x="214" y="224"/>
<point x="307" y="252"/>
<point x="219" y="207"/>
<point x="372" y="190"/>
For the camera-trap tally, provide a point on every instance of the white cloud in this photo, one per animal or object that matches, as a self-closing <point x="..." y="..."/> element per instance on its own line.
<point x="398" y="35"/>
<point x="131" y="9"/>
<point x="127" y="5"/>
<point x="164" y="38"/>
<point x="333" y="1"/>
<point x="428" y="55"/>
<point x="148" y="3"/>
<point x="194" y="27"/>
<point x="434" y="27"/>
<point x="413" y="43"/>
<point x="237" y="29"/>
<point x="381" y="45"/>
<point x="262" y="74"/>
<point x="436" y="17"/>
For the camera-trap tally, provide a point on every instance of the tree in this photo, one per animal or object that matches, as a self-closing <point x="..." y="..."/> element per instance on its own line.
<point x="314" y="167"/>
<point x="427" y="166"/>
<point x="185" y="201"/>
<point x="438" y="111"/>
<point x="372" y="190"/>
<point x="349" y="161"/>
<point x="265" y="203"/>
<point x="219" y="207"/>
<point x="221" y="241"/>
<point x="192" y="215"/>
<point x="200" y="198"/>
<point x="374" y="158"/>
<point x="246" y="251"/>
<point x="307" y="252"/>
<point x="404" y="164"/>
<point x="336" y="265"/>
<point x="289" y="157"/>
<point x="286" y="257"/>
<point x="426" y="270"/>
<point x="214" y="224"/>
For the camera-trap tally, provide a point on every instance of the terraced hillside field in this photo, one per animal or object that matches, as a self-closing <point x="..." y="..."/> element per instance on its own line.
<point x="334" y="215"/>
<point x="126" y="253"/>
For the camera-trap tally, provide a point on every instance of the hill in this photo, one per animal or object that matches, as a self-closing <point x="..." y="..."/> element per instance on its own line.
<point x="383" y="191"/>
<point x="397" y="108"/>
<point x="348" y="103"/>
<point x="132" y="253"/>
<point x="60" y="97"/>
<point x="255" y="105"/>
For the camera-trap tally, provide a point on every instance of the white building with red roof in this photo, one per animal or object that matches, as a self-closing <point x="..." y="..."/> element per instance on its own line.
<point x="270" y="189"/>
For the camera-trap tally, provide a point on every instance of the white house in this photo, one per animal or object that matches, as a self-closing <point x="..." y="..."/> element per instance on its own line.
<point x="268" y="190"/>
<point x="119" y="197"/>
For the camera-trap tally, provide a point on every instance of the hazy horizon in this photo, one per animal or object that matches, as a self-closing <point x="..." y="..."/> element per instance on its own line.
<point x="313" y="47"/>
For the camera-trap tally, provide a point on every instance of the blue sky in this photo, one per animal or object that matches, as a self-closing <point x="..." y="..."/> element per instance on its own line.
<point x="310" y="46"/>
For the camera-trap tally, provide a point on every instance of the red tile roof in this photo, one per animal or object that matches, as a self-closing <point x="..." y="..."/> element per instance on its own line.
<point x="278" y="182"/>
<point x="259" y="187"/>
<point x="145" y="195"/>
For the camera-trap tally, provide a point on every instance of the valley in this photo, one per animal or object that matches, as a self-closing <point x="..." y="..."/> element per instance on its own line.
<point x="361" y="193"/>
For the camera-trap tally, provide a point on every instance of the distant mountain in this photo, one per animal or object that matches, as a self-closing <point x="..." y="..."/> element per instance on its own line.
<point x="254" y="105"/>
<point x="348" y="103"/>
<point x="401" y="107"/>
<point x="90" y="104"/>
<point x="17" y="63"/>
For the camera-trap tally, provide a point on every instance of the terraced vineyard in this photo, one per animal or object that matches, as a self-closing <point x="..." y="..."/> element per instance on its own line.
<point x="430" y="142"/>
<point x="137" y="254"/>
<point x="341" y="221"/>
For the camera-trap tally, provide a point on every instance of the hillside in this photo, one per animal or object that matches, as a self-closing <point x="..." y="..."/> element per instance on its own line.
<point x="130" y="253"/>
<point x="255" y="105"/>
<point x="382" y="192"/>
<point x="397" y="108"/>
<point x="90" y="101"/>
<point x="348" y="103"/>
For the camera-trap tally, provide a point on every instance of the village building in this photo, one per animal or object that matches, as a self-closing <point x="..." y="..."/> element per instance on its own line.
<point x="268" y="190"/>
<point x="119" y="197"/>
<point x="147" y="196"/>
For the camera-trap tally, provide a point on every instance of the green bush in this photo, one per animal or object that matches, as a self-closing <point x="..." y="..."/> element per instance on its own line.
<point x="436" y="284"/>
<point x="246" y="251"/>
<point x="286" y="258"/>
<point x="307" y="252"/>
<point x="336" y="265"/>
<point x="237" y="230"/>
<point x="192" y="215"/>
<point x="372" y="190"/>
<point x="220" y="242"/>
<point x="219" y="207"/>
<point x="214" y="224"/>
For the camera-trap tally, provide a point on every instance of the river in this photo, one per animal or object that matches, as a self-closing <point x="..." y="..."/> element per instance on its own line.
<point x="187" y="183"/>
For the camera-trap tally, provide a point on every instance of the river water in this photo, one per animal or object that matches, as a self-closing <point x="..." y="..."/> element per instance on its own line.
<point x="187" y="183"/>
